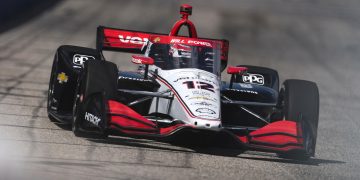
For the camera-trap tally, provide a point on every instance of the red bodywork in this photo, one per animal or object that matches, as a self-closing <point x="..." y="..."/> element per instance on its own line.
<point x="134" y="41"/>
<point x="236" y="70"/>
<point x="142" y="60"/>
<point x="279" y="136"/>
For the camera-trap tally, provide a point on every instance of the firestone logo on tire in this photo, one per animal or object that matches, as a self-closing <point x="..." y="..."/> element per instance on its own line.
<point x="253" y="79"/>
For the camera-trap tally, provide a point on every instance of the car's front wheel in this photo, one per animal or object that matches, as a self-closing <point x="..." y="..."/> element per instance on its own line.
<point x="301" y="104"/>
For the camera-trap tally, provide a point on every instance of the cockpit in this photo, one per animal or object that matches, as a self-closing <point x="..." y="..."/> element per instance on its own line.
<point x="185" y="53"/>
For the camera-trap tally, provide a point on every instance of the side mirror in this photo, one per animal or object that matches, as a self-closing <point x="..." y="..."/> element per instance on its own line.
<point x="143" y="60"/>
<point x="233" y="70"/>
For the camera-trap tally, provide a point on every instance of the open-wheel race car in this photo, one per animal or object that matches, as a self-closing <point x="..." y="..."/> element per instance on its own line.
<point x="177" y="89"/>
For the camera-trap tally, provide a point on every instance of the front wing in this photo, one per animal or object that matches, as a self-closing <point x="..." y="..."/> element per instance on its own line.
<point x="279" y="136"/>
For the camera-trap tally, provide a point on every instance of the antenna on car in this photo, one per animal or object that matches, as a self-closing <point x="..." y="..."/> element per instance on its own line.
<point x="185" y="11"/>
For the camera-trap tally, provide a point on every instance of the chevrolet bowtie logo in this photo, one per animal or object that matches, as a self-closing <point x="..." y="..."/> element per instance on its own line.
<point x="157" y="39"/>
<point x="62" y="78"/>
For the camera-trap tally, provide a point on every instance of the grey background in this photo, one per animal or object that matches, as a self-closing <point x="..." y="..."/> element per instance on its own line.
<point x="316" y="40"/>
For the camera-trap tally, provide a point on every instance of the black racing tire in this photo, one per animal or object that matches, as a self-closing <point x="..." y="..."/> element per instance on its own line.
<point x="97" y="77"/>
<point x="301" y="104"/>
<point x="51" y="89"/>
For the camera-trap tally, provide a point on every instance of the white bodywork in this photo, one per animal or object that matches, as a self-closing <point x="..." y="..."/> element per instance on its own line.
<point x="196" y="96"/>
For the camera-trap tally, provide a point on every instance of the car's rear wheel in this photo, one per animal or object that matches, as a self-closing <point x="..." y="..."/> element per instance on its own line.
<point x="301" y="104"/>
<point x="51" y="90"/>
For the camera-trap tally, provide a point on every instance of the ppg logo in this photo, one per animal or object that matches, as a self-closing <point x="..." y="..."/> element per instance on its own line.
<point x="80" y="59"/>
<point x="253" y="79"/>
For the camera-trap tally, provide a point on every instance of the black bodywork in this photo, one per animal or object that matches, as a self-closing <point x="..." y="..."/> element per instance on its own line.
<point x="60" y="107"/>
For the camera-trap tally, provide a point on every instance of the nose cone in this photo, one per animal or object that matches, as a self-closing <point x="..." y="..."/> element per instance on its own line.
<point x="198" y="91"/>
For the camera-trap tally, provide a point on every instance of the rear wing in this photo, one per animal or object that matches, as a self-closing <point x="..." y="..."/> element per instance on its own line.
<point x="111" y="39"/>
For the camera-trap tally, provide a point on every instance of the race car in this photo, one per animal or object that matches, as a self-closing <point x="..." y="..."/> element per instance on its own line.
<point x="177" y="89"/>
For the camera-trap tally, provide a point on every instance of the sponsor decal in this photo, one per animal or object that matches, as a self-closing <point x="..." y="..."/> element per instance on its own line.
<point x="191" y="42"/>
<point x="79" y="59"/>
<point x="136" y="61"/>
<point x="200" y="93"/>
<point x="134" y="79"/>
<point x="253" y="79"/>
<point x="92" y="118"/>
<point x="202" y="78"/>
<point x="157" y="39"/>
<point x="62" y="78"/>
<point x="181" y="78"/>
<point x="202" y="103"/>
<point x="205" y="111"/>
<point x="201" y="98"/>
<point x="133" y="40"/>
<point x="244" y="91"/>
<point x="199" y="85"/>
<point x="249" y="86"/>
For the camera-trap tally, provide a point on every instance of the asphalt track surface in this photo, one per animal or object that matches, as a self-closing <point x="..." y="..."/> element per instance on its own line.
<point x="315" y="40"/>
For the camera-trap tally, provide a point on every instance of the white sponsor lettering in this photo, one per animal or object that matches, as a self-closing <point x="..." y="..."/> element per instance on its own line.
<point x="253" y="79"/>
<point x="79" y="59"/>
<point x="244" y="91"/>
<point x="203" y="43"/>
<point x="136" y="61"/>
<point x="177" y="41"/>
<point x="132" y="40"/>
<point x="200" y="43"/>
<point x="243" y="85"/>
<point x="134" y="79"/>
<point x="92" y="118"/>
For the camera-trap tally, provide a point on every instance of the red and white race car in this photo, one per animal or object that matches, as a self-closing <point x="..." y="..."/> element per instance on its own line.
<point x="178" y="92"/>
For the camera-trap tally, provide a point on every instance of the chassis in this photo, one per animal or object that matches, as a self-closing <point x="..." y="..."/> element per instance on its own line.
<point x="251" y="108"/>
